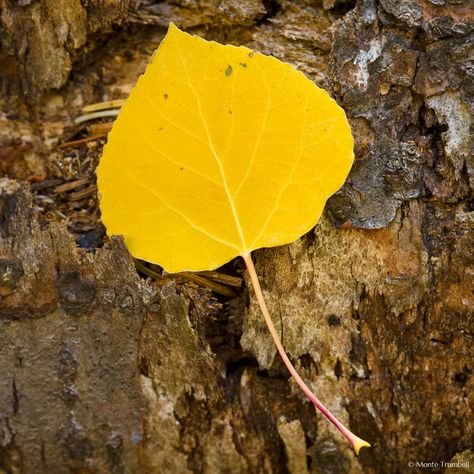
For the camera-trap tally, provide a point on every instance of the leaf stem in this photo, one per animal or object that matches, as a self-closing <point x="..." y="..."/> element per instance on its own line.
<point x="356" y="442"/>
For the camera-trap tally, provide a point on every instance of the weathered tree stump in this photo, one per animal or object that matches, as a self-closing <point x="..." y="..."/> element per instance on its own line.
<point x="102" y="370"/>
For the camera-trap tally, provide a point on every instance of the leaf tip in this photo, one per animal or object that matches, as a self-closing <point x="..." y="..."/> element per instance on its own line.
<point x="172" y="28"/>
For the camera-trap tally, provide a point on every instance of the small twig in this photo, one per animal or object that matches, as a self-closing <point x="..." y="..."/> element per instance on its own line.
<point x="222" y="278"/>
<point x="220" y="289"/>
<point x="48" y="183"/>
<point x="146" y="271"/>
<point x="97" y="128"/>
<point x="212" y="285"/>
<point x="70" y="185"/>
<point x="82" y="140"/>
<point x="94" y="115"/>
<point x="78" y="195"/>
<point x="109" y="104"/>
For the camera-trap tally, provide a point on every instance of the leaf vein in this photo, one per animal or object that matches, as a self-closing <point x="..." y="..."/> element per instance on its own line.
<point x="283" y="188"/>
<point x="177" y="163"/>
<point x="257" y="142"/>
<point x="177" y="211"/>
<point x="213" y="150"/>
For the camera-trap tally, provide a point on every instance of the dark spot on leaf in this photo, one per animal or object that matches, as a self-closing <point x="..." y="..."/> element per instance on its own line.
<point x="165" y="96"/>
<point x="228" y="71"/>
<point x="251" y="55"/>
<point x="243" y="64"/>
<point x="160" y="129"/>
<point x="181" y="168"/>
<point x="230" y="111"/>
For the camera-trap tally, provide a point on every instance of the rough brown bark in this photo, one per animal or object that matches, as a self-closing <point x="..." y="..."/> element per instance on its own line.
<point x="104" y="371"/>
<point x="69" y="330"/>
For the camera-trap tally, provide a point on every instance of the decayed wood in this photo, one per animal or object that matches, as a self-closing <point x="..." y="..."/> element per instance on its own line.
<point x="104" y="371"/>
<point x="69" y="330"/>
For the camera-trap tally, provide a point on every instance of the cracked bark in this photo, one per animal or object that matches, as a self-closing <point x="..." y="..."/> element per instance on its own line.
<point x="103" y="371"/>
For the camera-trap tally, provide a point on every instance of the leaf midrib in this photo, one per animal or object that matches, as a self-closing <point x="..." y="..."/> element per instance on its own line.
<point x="214" y="153"/>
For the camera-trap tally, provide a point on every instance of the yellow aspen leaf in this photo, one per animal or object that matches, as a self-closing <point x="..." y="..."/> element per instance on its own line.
<point x="218" y="151"/>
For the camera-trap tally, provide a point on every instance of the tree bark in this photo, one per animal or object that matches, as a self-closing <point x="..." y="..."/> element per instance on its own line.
<point x="103" y="370"/>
